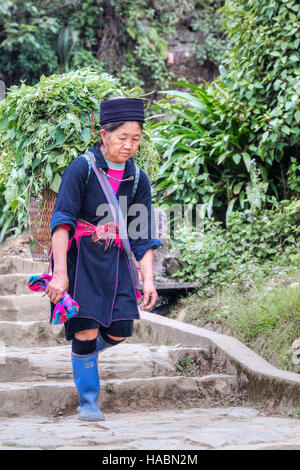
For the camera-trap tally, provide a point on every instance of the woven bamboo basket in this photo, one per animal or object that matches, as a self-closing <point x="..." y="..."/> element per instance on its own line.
<point x="39" y="224"/>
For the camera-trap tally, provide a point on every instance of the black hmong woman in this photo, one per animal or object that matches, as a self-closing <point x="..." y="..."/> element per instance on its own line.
<point x="92" y="259"/>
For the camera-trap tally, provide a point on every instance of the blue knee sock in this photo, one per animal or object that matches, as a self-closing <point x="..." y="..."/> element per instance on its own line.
<point x="84" y="347"/>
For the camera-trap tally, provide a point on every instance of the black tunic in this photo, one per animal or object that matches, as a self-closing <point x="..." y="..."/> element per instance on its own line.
<point x="100" y="280"/>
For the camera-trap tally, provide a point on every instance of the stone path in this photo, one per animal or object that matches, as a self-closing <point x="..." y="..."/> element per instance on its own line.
<point x="192" y="429"/>
<point x="159" y="397"/>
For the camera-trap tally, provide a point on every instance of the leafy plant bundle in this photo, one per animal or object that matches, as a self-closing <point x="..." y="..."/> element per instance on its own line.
<point x="45" y="126"/>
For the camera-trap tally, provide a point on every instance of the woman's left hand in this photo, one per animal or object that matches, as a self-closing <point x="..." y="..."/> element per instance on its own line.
<point x="150" y="296"/>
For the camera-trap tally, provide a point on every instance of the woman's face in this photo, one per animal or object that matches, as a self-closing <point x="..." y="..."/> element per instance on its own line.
<point x="122" y="143"/>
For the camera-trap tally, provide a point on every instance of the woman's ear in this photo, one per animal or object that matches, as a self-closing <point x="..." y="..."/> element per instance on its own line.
<point x="103" y="135"/>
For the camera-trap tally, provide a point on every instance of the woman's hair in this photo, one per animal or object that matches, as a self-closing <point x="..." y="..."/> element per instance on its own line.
<point x="112" y="126"/>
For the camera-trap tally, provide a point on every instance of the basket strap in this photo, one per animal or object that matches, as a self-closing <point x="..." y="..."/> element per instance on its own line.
<point x="136" y="180"/>
<point x="88" y="159"/>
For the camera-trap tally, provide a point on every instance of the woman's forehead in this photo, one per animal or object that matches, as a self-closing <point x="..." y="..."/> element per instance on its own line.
<point x="130" y="127"/>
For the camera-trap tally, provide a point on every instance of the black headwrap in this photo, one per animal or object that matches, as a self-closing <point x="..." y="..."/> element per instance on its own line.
<point x="121" y="109"/>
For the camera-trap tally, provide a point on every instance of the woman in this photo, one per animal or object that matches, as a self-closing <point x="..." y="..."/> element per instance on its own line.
<point x="96" y="276"/>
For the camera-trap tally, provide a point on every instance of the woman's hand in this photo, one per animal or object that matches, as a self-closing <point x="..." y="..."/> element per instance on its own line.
<point x="59" y="283"/>
<point x="57" y="287"/>
<point x="150" y="295"/>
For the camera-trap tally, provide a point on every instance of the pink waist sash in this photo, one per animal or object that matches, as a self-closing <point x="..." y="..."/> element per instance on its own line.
<point x="108" y="233"/>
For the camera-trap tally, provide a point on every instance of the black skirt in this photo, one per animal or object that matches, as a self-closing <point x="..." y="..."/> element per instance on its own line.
<point x="119" y="328"/>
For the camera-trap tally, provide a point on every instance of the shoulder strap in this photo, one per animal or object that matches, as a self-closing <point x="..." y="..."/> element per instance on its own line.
<point x="89" y="156"/>
<point x="136" y="180"/>
<point x="120" y="221"/>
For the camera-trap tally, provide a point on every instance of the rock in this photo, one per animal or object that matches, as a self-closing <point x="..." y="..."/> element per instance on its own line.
<point x="295" y="351"/>
<point x="295" y="345"/>
<point x="172" y="265"/>
<point x="296" y="357"/>
<point x="181" y="315"/>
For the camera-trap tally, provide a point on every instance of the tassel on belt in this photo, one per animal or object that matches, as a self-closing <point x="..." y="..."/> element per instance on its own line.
<point x="107" y="234"/>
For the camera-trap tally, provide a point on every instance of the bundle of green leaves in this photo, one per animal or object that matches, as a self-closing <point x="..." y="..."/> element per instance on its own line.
<point x="250" y="114"/>
<point x="45" y="126"/>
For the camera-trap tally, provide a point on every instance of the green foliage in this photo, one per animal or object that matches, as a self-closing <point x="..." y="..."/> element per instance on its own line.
<point x="215" y="255"/>
<point x="203" y="159"/>
<point x="265" y="316"/>
<point x="138" y="31"/>
<point x="45" y="126"/>
<point x="8" y="220"/>
<point x="211" y="136"/>
<point x="27" y="35"/>
<point x="209" y="23"/>
<point x="293" y="181"/>
<point x="263" y="72"/>
<point x="66" y="43"/>
<point x="188" y="365"/>
<point x="128" y="39"/>
<point x="41" y="38"/>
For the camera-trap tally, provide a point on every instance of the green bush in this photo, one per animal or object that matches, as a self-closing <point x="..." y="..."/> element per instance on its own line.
<point x="39" y="38"/>
<point x="217" y="256"/>
<point x="265" y="317"/>
<point x="126" y="38"/>
<point x="8" y="220"/>
<point x="211" y="137"/>
<point x="209" y="23"/>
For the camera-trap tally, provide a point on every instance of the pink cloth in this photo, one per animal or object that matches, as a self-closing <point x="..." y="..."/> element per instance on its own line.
<point x="116" y="174"/>
<point x="65" y="226"/>
<point x="114" y="184"/>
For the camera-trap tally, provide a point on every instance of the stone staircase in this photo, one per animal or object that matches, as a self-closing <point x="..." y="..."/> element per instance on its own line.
<point x="36" y="373"/>
<point x="143" y="385"/>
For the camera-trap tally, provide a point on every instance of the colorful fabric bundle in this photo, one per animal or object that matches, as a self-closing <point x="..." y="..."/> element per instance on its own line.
<point x="65" y="309"/>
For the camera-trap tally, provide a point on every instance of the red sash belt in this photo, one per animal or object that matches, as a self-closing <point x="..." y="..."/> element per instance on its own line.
<point x="107" y="233"/>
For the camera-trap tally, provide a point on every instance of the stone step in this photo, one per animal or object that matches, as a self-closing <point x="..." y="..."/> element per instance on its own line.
<point x="14" y="284"/>
<point x="231" y="428"/>
<point x="35" y="306"/>
<point x="30" y="334"/>
<point x="17" y="264"/>
<point x="122" y="361"/>
<point x="3" y="268"/>
<point x="56" y="397"/>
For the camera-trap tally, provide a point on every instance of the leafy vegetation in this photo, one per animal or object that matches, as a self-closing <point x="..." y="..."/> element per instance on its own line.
<point x="128" y="39"/>
<point x="38" y="38"/>
<point x="219" y="256"/>
<point x="211" y="137"/>
<point x="264" y="315"/>
<point x="248" y="278"/>
<point x="208" y="21"/>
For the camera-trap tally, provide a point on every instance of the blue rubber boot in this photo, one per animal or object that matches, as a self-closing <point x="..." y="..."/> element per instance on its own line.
<point x="86" y="378"/>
